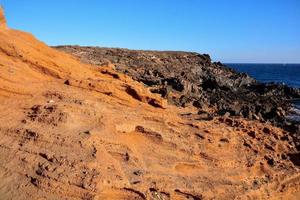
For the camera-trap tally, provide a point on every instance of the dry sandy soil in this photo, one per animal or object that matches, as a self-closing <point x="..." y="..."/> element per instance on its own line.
<point x="69" y="130"/>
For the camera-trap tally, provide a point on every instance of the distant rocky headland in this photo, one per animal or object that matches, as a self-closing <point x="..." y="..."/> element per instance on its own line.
<point x="188" y="78"/>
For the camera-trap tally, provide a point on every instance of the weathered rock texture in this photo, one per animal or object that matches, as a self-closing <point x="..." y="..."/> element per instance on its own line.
<point x="190" y="78"/>
<point x="69" y="130"/>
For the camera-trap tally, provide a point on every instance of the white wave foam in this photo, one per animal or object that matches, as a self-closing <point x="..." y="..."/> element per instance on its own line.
<point x="294" y="114"/>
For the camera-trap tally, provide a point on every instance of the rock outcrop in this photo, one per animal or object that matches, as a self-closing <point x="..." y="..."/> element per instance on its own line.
<point x="186" y="78"/>
<point x="2" y="18"/>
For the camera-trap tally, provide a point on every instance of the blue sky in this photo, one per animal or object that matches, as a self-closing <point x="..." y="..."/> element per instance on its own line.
<point x="229" y="30"/>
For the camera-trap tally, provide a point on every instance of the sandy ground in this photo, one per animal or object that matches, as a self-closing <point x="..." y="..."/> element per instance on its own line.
<point x="73" y="131"/>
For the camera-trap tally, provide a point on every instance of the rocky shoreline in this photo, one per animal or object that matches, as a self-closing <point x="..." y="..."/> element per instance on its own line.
<point x="294" y="114"/>
<point x="188" y="78"/>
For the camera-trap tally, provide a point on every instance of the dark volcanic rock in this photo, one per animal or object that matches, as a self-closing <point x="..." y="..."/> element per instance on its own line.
<point x="187" y="78"/>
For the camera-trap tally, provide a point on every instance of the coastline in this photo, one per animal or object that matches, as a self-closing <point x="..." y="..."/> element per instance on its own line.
<point x="187" y="78"/>
<point x="273" y="73"/>
<point x="294" y="114"/>
<point x="286" y="74"/>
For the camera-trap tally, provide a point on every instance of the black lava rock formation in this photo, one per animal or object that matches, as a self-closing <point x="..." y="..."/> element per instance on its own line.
<point x="187" y="78"/>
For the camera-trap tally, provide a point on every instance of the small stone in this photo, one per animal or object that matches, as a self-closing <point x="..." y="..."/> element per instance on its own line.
<point x="227" y="114"/>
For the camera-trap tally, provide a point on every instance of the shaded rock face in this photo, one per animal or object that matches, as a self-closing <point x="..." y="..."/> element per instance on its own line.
<point x="186" y="78"/>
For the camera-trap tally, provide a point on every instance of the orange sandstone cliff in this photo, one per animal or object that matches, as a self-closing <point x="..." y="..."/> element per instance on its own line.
<point x="69" y="130"/>
<point x="2" y="19"/>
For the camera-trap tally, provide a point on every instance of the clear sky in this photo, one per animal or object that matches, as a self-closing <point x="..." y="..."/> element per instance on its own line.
<point x="229" y="30"/>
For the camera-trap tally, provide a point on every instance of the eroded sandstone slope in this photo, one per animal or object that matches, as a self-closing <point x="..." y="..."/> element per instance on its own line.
<point x="74" y="131"/>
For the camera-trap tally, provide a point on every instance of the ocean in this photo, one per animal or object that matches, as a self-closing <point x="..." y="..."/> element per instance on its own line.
<point x="288" y="74"/>
<point x="280" y="73"/>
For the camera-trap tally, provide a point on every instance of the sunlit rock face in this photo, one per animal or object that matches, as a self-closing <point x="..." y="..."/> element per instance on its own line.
<point x="2" y="18"/>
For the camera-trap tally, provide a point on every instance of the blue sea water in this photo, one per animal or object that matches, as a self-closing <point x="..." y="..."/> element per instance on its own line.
<point x="288" y="74"/>
<point x="280" y="73"/>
